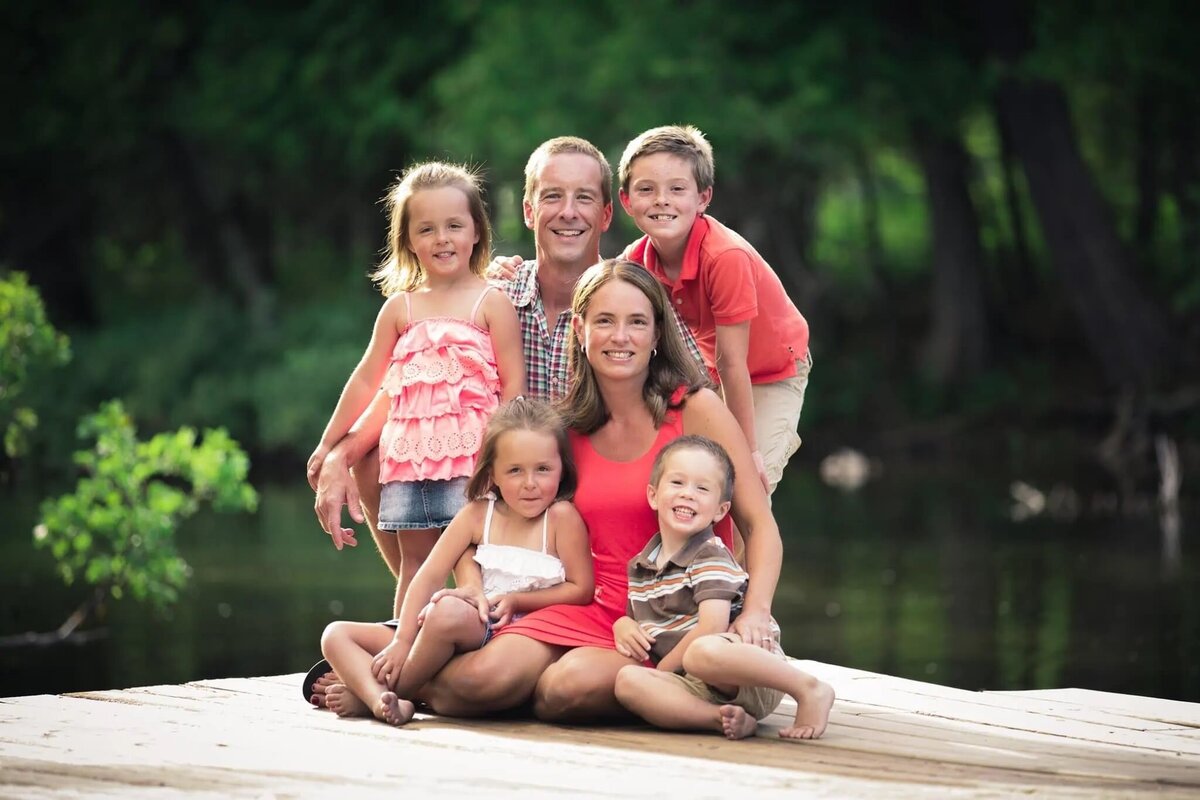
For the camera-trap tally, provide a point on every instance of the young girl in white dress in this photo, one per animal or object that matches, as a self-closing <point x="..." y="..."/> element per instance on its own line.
<point x="530" y="547"/>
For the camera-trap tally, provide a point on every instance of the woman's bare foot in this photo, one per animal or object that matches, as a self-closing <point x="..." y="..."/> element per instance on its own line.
<point x="343" y="702"/>
<point x="812" y="713"/>
<point x="320" y="687"/>
<point x="736" y="723"/>
<point x="394" y="710"/>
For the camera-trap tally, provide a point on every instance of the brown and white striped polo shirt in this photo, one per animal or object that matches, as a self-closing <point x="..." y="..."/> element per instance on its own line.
<point x="666" y="602"/>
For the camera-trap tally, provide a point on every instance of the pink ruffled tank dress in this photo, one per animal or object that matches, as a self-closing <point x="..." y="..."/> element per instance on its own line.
<point x="444" y="387"/>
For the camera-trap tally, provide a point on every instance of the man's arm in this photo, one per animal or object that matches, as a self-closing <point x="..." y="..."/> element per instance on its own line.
<point x="335" y="484"/>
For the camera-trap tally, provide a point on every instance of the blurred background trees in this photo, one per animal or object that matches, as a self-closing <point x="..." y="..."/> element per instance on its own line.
<point x="989" y="212"/>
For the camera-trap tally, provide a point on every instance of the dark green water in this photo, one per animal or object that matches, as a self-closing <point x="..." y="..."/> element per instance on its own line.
<point x="920" y="574"/>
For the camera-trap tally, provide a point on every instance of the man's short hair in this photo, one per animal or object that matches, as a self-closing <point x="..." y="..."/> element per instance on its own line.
<point x="558" y="146"/>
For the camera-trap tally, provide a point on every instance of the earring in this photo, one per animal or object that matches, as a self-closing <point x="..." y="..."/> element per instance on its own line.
<point x="583" y="349"/>
<point x="653" y="352"/>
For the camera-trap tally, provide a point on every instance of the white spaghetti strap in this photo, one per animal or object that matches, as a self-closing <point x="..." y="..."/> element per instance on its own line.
<point x="479" y="302"/>
<point x="545" y="521"/>
<point x="408" y="307"/>
<point x="487" y="522"/>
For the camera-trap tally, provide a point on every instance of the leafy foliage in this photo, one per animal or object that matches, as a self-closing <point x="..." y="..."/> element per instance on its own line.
<point x="28" y="344"/>
<point x="117" y="529"/>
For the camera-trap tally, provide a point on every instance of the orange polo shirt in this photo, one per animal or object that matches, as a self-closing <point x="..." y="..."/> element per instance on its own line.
<point x="724" y="281"/>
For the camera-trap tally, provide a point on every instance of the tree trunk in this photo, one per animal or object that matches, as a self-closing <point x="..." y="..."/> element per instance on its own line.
<point x="1122" y="326"/>
<point x="957" y="341"/>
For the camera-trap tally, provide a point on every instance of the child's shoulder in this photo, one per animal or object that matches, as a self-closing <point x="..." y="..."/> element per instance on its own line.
<point x="563" y="511"/>
<point x="713" y="549"/>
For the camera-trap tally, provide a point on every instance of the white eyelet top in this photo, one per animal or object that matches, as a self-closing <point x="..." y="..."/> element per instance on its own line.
<point x="508" y="568"/>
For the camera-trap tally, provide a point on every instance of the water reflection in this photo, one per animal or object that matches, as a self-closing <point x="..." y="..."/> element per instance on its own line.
<point x="922" y="573"/>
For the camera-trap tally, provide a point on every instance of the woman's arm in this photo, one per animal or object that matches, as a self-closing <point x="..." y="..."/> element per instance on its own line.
<point x="363" y="383"/>
<point x="733" y="348"/>
<point x="505" y="329"/>
<point x="706" y="415"/>
<point x="571" y="542"/>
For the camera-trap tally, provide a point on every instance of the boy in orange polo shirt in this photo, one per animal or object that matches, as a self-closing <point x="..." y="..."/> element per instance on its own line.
<point x="752" y="337"/>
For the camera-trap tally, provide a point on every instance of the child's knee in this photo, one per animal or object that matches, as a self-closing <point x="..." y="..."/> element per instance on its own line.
<point x="449" y="614"/>
<point x="337" y="631"/>
<point x="630" y="682"/>
<point x="703" y="655"/>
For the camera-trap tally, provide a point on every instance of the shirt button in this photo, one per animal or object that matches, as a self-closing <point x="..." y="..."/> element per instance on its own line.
<point x="678" y="301"/>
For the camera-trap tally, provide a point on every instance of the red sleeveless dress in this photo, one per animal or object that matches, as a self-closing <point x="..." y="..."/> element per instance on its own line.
<point x="611" y="498"/>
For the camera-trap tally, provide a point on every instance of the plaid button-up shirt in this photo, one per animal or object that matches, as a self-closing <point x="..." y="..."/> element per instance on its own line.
<point x="545" y="349"/>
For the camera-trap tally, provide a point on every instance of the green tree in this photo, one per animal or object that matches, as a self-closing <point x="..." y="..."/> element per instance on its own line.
<point x="116" y="531"/>
<point x="28" y="344"/>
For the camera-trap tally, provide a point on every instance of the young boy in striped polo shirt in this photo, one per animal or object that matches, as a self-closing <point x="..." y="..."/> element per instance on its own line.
<point x="684" y="589"/>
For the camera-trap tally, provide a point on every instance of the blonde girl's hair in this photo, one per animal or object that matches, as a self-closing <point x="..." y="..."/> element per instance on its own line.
<point x="671" y="367"/>
<point x="685" y="141"/>
<point x="400" y="270"/>
<point x="520" y="414"/>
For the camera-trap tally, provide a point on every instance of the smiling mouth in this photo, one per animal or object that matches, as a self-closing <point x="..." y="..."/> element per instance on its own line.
<point x="662" y="217"/>
<point x="568" y="234"/>
<point x="620" y="355"/>
<point x="683" y="512"/>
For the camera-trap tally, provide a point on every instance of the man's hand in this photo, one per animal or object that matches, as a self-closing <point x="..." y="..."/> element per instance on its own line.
<point x="315" y="462"/>
<point x="335" y="488"/>
<point x="755" y="628"/>
<point x="503" y="268"/>
<point x="632" y="641"/>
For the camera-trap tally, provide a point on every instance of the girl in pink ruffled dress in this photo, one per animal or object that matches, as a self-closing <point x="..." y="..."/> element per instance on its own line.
<point x="446" y="349"/>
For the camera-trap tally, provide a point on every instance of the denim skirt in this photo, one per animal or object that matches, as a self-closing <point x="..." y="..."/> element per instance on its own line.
<point x="420" y="505"/>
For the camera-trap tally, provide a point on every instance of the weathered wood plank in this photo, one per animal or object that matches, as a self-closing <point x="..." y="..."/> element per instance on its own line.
<point x="887" y="737"/>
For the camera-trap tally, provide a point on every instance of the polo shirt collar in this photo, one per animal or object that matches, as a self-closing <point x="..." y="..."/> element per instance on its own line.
<point x="691" y="253"/>
<point x="685" y="556"/>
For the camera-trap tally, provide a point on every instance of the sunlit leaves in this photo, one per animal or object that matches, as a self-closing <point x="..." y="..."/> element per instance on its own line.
<point x="117" y="529"/>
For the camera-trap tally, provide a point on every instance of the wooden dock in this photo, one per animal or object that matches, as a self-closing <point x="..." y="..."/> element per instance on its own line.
<point x="888" y="737"/>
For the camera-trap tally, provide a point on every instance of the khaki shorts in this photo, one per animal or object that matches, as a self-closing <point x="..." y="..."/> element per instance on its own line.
<point x="757" y="701"/>
<point x="777" y="409"/>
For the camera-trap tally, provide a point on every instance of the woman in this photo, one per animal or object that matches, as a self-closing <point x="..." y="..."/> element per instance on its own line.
<point x="634" y="388"/>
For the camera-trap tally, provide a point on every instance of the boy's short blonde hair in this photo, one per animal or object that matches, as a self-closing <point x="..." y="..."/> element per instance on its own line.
<point x="558" y="146"/>
<point x="685" y="141"/>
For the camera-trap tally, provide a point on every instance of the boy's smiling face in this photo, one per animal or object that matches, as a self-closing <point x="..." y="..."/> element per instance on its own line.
<point x="688" y="495"/>
<point x="663" y="199"/>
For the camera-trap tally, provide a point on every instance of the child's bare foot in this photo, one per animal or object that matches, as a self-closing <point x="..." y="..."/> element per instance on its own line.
<point x="736" y="723"/>
<point x="812" y="713"/>
<point x="343" y="702"/>
<point x="394" y="710"/>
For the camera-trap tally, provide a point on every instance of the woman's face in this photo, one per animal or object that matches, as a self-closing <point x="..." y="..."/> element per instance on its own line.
<point x="617" y="331"/>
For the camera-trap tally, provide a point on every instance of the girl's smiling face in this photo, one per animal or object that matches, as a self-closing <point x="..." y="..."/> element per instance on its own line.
<point x="441" y="232"/>
<point x="527" y="470"/>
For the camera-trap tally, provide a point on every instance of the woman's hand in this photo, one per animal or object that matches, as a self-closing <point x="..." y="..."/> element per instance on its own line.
<point x="503" y="607"/>
<point x="755" y="628"/>
<point x="503" y="268"/>
<point x="387" y="665"/>
<point x="632" y="641"/>
<point x="761" y="468"/>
